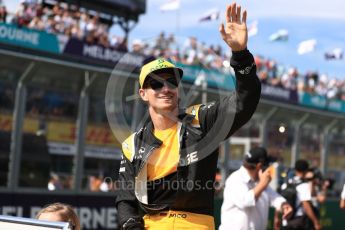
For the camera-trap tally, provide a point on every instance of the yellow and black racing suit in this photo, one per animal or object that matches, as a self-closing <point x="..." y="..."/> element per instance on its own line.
<point x="182" y="190"/>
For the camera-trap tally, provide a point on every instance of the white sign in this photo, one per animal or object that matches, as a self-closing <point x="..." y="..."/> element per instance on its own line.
<point x="20" y="223"/>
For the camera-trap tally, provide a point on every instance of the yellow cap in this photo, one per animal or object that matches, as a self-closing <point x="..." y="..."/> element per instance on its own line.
<point x="159" y="65"/>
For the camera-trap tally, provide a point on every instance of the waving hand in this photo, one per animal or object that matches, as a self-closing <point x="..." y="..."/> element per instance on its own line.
<point x="235" y="33"/>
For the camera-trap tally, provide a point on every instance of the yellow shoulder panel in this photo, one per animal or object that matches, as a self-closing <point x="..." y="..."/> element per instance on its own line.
<point x="194" y="110"/>
<point x="128" y="147"/>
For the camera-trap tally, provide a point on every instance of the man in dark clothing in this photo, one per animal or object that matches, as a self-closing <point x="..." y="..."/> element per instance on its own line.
<point x="304" y="216"/>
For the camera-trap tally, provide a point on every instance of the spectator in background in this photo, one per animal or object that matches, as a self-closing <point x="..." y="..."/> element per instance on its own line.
<point x="247" y="196"/>
<point x="3" y="13"/>
<point x="105" y="185"/>
<point x="36" y="23"/>
<point x="289" y="80"/>
<point x="272" y="69"/>
<point x="137" y="46"/>
<point x="321" y="88"/>
<point x="263" y="75"/>
<point x="103" y="40"/>
<point x="342" y="199"/>
<point x="122" y="46"/>
<point x="318" y="189"/>
<point x="161" y="42"/>
<point x="304" y="213"/>
<point x="95" y="183"/>
<point x="171" y="42"/>
<point x="310" y="81"/>
<point x="54" y="183"/>
<point x="190" y="52"/>
<point x="333" y="90"/>
<point x="60" y="212"/>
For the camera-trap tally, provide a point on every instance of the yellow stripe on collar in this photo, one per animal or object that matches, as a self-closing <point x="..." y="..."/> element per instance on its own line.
<point x="128" y="147"/>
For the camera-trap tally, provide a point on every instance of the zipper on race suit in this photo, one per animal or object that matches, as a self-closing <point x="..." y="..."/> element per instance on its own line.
<point x="143" y="162"/>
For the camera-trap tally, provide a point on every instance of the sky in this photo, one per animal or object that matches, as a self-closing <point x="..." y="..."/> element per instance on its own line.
<point x="304" y="19"/>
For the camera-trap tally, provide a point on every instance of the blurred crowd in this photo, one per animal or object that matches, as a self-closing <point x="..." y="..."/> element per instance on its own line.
<point x="67" y="20"/>
<point x="73" y="22"/>
<point x="194" y="52"/>
<point x="191" y="52"/>
<point x="93" y="183"/>
<point x="270" y="72"/>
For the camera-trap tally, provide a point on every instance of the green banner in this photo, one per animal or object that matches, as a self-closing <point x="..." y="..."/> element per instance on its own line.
<point x="320" y="102"/>
<point x="33" y="39"/>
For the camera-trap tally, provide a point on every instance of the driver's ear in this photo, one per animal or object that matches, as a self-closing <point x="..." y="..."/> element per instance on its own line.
<point x="143" y="94"/>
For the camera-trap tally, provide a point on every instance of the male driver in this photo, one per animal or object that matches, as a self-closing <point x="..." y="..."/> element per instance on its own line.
<point x="169" y="165"/>
<point x="247" y="196"/>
